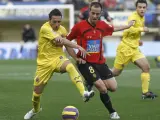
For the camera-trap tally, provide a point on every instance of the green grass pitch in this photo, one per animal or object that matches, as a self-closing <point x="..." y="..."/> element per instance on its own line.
<point x="16" y="78"/>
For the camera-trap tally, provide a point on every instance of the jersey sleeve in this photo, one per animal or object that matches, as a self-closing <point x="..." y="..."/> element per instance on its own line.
<point x="74" y="33"/>
<point x="48" y="33"/>
<point x="108" y="30"/>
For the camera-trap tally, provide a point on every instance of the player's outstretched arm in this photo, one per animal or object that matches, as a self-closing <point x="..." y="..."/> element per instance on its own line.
<point x="131" y="23"/>
<point x="72" y="53"/>
<point x="145" y="29"/>
<point x="139" y="29"/>
<point x="68" y="43"/>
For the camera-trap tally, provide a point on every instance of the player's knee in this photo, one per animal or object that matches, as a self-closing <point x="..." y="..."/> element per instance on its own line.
<point x="101" y="86"/>
<point x="39" y="88"/>
<point x="146" y="68"/>
<point x="102" y="90"/>
<point x="112" y="89"/>
<point x="116" y="72"/>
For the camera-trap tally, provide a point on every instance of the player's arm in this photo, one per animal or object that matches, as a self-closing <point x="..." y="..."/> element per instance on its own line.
<point x="73" y="35"/>
<point x="140" y="29"/>
<point x="68" y="43"/>
<point x="73" y="54"/>
<point x="120" y="28"/>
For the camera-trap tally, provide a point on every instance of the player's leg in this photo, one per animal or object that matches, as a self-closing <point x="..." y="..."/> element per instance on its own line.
<point x="84" y="70"/>
<point x="66" y="66"/>
<point x="43" y="74"/>
<point x="118" y="65"/>
<point x="121" y="60"/>
<point x="111" y="85"/>
<point x="116" y="71"/>
<point x="140" y="60"/>
<point x="91" y="76"/>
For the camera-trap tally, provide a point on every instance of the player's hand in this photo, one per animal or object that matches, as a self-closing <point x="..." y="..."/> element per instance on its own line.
<point x="131" y="23"/>
<point x="140" y="43"/>
<point x="58" y="39"/>
<point x="83" y="52"/>
<point x="80" y="61"/>
<point x="145" y="29"/>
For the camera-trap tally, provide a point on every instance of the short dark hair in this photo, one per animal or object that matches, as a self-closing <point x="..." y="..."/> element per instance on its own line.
<point x="96" y="4"/>
<point x="55" y="12"/>
<point x="141" y="1"/>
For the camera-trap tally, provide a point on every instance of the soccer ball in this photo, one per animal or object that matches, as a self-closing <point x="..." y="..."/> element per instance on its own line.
<point x="157" y="59"/>
<point x="70" y="113"/>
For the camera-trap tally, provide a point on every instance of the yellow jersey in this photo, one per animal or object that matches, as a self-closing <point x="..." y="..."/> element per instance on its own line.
<point x="132" y="35"/>
<point x="47" y="50"/>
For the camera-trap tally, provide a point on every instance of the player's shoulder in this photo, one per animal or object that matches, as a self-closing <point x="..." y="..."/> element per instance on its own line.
<point x="103" y="23"/>
<point x="62" y="28"/>
<point x="46" y="26"/>
<point x="133" y="15"/>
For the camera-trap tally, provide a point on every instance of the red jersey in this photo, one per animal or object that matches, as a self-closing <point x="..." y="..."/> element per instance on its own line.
<point x="90" y="38"/>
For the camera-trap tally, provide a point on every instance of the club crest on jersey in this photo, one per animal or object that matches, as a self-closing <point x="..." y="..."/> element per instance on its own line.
<point x="93" y="46"/>
<point x="61" y="57"/>
<point x="89" y="37"/>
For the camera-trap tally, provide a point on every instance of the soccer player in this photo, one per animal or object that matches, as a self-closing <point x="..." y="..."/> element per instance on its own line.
<point x="51" y="58"/>
<point x="128" y="49"/>
<point x="89" y="34"/>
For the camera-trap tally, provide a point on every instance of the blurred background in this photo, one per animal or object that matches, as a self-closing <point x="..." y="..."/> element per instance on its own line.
<point x="20" y="21"/>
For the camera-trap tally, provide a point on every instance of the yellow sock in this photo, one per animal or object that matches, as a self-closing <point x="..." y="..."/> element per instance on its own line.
<point x="36" y="101"/>
<point x="145" y="77"/>
<point x="75" y="77"/>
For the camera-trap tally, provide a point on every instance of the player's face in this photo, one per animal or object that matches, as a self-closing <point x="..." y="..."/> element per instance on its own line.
<point x="55" y="22"/>
<point x="141" y="9"/>
<point x="94" y="14"/>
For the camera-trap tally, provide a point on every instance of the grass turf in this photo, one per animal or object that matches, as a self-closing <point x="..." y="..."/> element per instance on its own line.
<point x="16" y="78"/>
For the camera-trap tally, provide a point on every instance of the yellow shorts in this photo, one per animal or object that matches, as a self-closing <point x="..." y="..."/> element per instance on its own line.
<point x="44" y="72"/>
<point x="125" y="54"/>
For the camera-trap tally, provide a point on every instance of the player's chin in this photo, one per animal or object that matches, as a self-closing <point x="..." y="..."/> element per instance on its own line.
<point x="94" y="21"/>
<point x="142" y="14"/>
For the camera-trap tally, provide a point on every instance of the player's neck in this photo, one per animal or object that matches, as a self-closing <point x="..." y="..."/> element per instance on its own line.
<point x="91" y="23"/>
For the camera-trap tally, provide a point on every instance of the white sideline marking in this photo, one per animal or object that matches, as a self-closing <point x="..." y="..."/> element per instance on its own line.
<point x="31" y="74"/>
